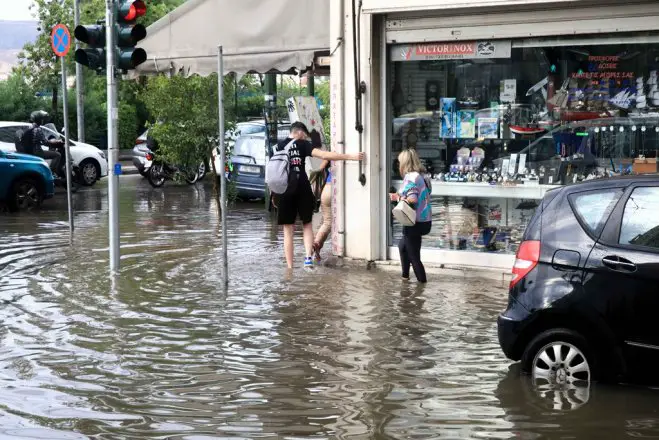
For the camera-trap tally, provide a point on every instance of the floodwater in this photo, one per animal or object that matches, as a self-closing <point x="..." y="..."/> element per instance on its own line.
<point x="163" y="351"/>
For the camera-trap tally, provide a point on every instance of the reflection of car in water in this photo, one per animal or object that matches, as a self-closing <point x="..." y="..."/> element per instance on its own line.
<point x="539" y="411"/>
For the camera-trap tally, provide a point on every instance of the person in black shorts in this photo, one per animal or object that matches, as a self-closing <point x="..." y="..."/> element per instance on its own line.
<point x="298" y="200"/>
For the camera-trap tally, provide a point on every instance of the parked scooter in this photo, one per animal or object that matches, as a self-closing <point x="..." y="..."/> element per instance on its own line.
<point x="158" y="172"/>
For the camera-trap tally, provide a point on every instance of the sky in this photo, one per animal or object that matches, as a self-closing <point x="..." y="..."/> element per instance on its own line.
<point x="15" y="10"/>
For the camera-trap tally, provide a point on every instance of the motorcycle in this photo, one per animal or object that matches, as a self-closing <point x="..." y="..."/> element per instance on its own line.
<point x="158" y="172"/>
<point x="60" y="179"/>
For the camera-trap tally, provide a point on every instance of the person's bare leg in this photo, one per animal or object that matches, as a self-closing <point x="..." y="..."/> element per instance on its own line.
<point x="308" y="239"/>
<point x="288" y="244"/>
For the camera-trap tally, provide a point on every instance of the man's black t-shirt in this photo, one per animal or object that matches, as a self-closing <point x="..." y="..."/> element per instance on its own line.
<point x="297" y="155"/>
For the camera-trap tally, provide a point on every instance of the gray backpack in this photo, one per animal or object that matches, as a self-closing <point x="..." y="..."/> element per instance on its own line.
<point x="277" y="170"/>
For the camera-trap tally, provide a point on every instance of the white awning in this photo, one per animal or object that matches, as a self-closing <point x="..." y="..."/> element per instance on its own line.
<point x="257" y="36"/>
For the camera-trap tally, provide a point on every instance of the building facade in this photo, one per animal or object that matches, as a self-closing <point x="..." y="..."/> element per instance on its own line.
<point x="503" y="100"/>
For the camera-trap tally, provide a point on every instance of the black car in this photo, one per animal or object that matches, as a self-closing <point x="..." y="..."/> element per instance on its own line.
<point x="585" y="290"/>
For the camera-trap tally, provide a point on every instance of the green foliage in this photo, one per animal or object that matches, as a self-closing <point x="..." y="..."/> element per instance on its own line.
<point x="17" y="99"/>
<point x="323" y="94"/>
<point x="185" y="111"/>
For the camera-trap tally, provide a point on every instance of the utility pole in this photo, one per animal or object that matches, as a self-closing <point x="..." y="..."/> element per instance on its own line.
<point x="113" y="141"/>
<point x="271" y="120"/>
<point x="311" y="86"/>
<point x="80" y="103"/>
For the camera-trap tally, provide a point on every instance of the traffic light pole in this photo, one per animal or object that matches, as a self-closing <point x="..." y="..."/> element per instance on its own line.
<point x="80" y="103"/>
<point x="113" y="141"/>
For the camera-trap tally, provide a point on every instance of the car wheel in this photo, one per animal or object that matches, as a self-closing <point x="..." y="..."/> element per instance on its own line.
<point x="26" y="194"/>
<point x="90" y="171"/>
<point x="560" y="357"/>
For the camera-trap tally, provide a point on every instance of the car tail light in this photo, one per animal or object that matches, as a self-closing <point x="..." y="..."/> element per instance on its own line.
<point x="140" y="141"/>
<point x="149" y="156"/>
<point x="527" y="259"/>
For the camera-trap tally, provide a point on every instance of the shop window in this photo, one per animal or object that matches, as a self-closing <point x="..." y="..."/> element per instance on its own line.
<point x="509" y="121"/>
<point x="640" y="221"/>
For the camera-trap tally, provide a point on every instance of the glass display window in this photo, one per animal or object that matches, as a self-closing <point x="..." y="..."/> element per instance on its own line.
<point x="499" y="123"/>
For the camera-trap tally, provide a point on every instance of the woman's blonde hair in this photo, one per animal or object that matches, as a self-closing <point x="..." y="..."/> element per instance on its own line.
<point x="409" y="162"/>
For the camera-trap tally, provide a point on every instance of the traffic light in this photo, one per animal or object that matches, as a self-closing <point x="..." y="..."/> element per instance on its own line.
<point x="94" y="55"/>
<point x="129" y="33"/>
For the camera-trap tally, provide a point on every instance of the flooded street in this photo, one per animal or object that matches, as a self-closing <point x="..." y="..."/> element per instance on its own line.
<point x="337" y="353"/>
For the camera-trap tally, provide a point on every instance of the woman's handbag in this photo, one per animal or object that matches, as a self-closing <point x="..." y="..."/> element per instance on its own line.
<point x="404" y="214"/>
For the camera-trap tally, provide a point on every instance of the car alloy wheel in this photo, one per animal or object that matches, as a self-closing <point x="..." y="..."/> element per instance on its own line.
<point x="27" y="195"/>
<point x="561" y="363"/>
<point x="89" y="173"/>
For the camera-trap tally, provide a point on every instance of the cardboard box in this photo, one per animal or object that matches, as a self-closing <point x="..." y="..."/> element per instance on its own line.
<point x="644" y="166"/>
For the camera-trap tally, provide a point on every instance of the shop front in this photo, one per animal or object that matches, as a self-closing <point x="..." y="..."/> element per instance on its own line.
<point x="502" y="104"/>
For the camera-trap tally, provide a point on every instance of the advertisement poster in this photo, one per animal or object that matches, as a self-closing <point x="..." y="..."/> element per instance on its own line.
<point x="305" y="110"/>
<point x="488" y="128"/>
<point x="448" y="120"/>
<point x="466" y="124"/>
<point x="508" y="90"/>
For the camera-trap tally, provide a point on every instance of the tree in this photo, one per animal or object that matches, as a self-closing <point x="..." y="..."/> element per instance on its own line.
<point x="185" y="116"/>
<point x="38" y="63"/>
<point x="40" y="69"/>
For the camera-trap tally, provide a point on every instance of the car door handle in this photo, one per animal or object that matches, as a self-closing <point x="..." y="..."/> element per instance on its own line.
<point x="619" y="263"/>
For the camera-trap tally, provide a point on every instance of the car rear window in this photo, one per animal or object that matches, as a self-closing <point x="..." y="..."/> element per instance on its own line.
<point x="594" y="207"/>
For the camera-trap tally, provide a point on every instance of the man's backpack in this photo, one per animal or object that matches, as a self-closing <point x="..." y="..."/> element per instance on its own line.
<point x="278" y="169"/>
<point x="24" y="141"/>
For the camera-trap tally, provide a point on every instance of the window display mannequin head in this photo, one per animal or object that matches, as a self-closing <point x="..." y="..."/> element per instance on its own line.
<point x="409" y="162"/>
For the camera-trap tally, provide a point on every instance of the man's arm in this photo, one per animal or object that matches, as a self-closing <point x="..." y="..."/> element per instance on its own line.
<point x="330" y="155"/>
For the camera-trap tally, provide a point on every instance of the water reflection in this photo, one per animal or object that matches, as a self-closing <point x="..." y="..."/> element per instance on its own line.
<point x="603" y="411"/>
<point x="164" y="351"/>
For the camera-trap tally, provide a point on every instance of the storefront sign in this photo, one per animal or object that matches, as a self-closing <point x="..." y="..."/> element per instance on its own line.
<point x="454" y="50"/>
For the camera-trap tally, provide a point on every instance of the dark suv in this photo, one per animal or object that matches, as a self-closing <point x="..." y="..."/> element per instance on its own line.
<point x="584" y="298"/>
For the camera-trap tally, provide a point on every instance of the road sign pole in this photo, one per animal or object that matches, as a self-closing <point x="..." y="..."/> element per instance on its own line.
<point x="67" y="154"/>
<point x="60" y="42"/>
<point x="113" y="142"/>
<point x="223" y="178"/>
<point x="80" y="103"/>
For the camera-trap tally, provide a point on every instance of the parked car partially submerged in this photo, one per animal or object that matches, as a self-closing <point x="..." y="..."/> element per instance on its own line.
<point x="25" y="180"/>
<point x="584" y="292"/>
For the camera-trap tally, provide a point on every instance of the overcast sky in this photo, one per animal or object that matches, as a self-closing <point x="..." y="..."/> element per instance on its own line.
<point x="16" y="10"/>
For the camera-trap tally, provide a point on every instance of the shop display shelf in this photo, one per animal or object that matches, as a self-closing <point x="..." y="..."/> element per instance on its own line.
<point x="484" y="190"/>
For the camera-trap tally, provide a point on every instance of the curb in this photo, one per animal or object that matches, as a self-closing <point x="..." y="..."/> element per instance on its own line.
<point x="497" y="275"/>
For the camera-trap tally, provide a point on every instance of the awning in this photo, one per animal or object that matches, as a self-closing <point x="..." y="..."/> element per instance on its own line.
<point x="257" y="36"/>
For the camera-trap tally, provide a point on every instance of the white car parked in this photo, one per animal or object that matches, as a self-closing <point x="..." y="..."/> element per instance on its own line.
<point x="90" y="159"/>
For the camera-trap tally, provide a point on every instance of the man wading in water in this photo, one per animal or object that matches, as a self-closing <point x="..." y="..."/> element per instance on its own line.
<point x="298" y="200"/>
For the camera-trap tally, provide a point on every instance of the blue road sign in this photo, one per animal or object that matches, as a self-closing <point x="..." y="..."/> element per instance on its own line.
<point x="60" y="40"/>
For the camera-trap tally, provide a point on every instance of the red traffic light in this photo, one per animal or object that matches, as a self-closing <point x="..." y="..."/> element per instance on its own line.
<point x="131" y="10"/>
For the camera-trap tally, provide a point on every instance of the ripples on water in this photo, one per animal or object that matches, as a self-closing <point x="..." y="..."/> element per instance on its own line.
<point x="165" y="352"/>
